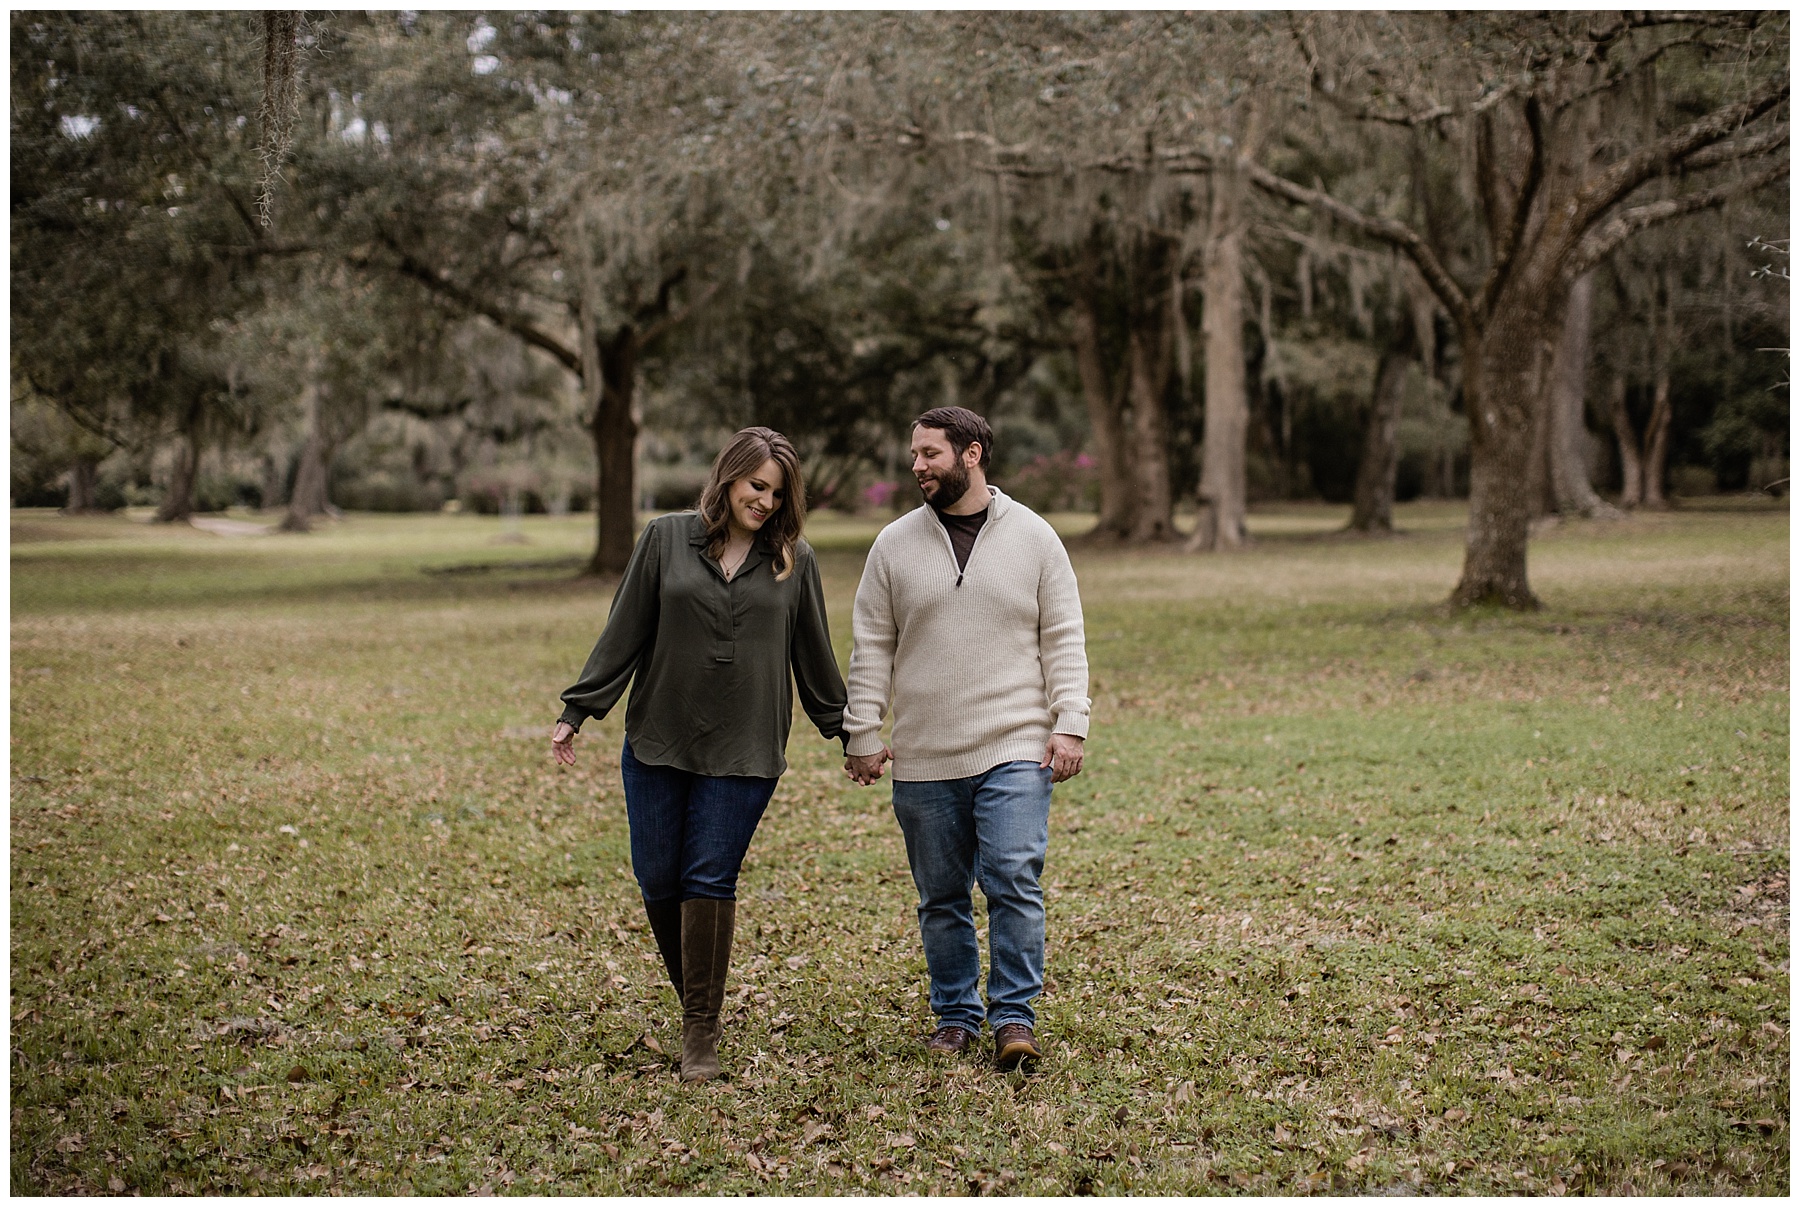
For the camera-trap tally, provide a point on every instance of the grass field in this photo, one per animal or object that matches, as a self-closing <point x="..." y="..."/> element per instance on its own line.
<point x="1355" y="894"/>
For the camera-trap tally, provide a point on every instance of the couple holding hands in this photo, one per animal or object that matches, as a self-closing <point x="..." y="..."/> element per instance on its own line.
<point x="967" y="621"/>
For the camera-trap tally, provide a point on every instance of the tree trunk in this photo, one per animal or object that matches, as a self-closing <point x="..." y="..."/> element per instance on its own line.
<point x="1502" y="382"/>
<point x="1631" y="459"/>
<point x="1373" y="509"/>
<point x="82" y="480"/>
<point x="1222" y="475"/>
<point x="1150" y="350"/>
<point x="1540" y="496"/>
<point x="1656" y="443"/>
<point x="309" y="497"/>
<point x="1656" y="432"/>
<point x="1574" y="493"/>
<point x="615" y="429"/>
<point x="178" y="504"/>
<point x="273" y="482"/>
<point x="1106" y="419"/>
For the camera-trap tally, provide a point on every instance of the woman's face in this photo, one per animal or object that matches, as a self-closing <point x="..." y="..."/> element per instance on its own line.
<point x="756" y="496"/>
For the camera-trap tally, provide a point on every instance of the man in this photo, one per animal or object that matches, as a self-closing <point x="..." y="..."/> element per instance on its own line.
<point x="968" y="620"/>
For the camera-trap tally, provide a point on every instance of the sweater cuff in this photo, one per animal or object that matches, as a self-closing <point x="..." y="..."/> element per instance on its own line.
<point x="572" y="717"/>
<point x="863" y="745"/>
<point x="1075" y="724"/>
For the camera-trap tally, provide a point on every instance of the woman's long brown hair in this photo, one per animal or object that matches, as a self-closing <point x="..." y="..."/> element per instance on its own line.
<point x="740" y="458"/>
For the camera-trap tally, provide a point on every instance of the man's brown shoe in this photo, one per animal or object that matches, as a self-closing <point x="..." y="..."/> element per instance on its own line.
<point x="1014" y="1045"/>
<point x="950" y="1040"/>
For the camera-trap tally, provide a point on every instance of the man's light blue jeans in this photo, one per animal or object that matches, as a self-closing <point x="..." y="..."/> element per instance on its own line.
<point x="990" y="828"/>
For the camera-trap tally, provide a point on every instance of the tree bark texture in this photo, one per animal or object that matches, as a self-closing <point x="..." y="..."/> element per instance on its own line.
<point x="615" y="431"/>
<point x="82" y="484"/>
<point x="1373" y="508"/>
<point x="178" y="503"/>
<point x="1631" y="457"/>
<point x="1150" y="353"/>
<point x="310" y="496"/>
<point x="1502" y="382"/>
<point x="1656" y="431"/>
<point x="1656" y="443"/>
<point x="1573" y="491"/>
<point x="1540" y="495"/>
<point x="1223" y="484"/>
<point x="1105" y="408"/>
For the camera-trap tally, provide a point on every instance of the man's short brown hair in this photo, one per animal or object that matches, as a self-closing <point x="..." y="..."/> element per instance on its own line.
<point x="964" y="427"/>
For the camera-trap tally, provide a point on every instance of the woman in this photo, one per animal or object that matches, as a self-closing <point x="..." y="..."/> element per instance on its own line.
<point x="718" y="607"/>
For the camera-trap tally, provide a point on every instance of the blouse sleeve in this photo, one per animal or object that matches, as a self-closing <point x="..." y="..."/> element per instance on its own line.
<point x="815" y="666"/>
<point x="630" y="627"/>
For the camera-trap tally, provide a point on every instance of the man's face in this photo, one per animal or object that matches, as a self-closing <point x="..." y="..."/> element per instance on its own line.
<point x="943" y="476"/>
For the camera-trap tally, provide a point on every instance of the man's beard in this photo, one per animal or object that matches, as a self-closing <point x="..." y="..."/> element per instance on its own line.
<point x="951" y="487"/>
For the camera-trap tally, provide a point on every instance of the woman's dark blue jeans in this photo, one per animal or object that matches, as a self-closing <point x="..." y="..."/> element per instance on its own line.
<point x="689" y="832"/>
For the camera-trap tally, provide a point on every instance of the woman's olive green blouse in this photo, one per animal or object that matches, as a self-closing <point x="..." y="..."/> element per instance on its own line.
<point x="711" y="656"/>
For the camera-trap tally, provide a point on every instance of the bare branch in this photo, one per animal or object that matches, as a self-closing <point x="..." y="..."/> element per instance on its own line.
<point x="1617" y="182"/>
<point x="1600" y="241"/>
<point x="1365" y="113"/>
<point x="1398" y="234"/>
<point x="1738" y="148"/>
<point x="1506" y="253"/>
<point x="1604" y="37"/>
<point x="1612" y="79"/>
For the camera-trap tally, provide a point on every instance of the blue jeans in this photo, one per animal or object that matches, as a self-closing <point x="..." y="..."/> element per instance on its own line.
<point x="990" y="828"/>
<point x="689" y="832"/>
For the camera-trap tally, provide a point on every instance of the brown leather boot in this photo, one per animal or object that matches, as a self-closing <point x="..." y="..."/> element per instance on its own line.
<point x="706" y="930"/>
<point x="665" y="924"/>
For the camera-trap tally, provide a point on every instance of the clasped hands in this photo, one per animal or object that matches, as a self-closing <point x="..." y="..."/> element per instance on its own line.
<point x="1062" y="754"/>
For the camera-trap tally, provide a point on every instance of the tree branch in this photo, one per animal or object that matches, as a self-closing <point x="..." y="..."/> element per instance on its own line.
<point x="1326" y="88"/>
<point x="1389" y="231"/>
<point x="1617" y="182"/>
<point x="1604" y="38"/>
<point x="1505" y="253"/>
<point x="439" y="283"/>
<point x="205" y="162"/>
<point x="674" y="318"/>
<point x="1600" y="241"/>
<point x="1737" y="148"/>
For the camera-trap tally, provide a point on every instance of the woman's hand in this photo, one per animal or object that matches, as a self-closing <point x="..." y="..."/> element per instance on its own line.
<point x="562" y="743"/>
<point x="865" y="769"/>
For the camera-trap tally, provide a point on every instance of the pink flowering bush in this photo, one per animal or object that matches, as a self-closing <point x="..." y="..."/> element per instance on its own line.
<point x="1063" y="481"/>
<point x="877" y="495"/>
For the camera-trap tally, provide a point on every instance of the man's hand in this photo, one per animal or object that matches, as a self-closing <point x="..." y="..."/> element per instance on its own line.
<point x="562" y="743"/>
<point x="1062" y="754"/>
<point x="865" y="769"/>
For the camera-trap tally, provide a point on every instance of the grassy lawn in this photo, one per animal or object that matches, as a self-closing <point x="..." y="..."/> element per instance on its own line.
<point x="1355" y="894"/>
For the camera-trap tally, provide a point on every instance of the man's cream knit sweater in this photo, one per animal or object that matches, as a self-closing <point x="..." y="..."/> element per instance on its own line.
<point x="981" y="666"/>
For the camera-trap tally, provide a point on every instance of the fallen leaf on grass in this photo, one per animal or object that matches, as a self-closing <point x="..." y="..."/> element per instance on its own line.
<point x="71" y="1143"/>
<point x="901" y="1141"/>
<point x="1455" y="1115"/>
